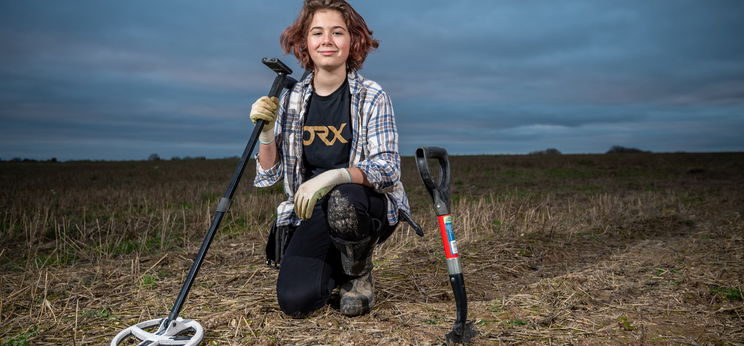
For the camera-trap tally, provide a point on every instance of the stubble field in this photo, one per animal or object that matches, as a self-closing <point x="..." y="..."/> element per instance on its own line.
<point x="556" y="249"/>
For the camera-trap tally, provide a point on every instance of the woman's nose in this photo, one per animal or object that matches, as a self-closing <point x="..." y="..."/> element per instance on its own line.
<point x="327" y="39"/>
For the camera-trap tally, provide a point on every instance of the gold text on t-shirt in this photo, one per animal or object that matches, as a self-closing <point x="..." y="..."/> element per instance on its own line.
<point x="324" y="132"/>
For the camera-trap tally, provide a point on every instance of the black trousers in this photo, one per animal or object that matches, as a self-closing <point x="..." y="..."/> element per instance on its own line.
<point x="311" y="266"/>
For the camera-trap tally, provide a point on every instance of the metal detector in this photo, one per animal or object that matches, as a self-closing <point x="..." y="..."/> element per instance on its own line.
<point x="462" y="330"/>
<point x="174" y="330"/>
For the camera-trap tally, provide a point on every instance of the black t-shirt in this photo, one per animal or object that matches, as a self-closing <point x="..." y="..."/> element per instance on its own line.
<point x="326" y="134"/>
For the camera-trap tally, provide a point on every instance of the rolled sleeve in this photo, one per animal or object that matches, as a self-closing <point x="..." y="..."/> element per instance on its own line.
<point x="382" y="163"/>
<point x="267" y="177"/>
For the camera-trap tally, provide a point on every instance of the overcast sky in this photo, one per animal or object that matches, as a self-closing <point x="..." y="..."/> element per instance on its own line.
<point x="123" y="79"/>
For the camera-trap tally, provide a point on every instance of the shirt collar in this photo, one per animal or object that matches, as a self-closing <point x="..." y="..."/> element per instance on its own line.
<point x="355" y="82"/>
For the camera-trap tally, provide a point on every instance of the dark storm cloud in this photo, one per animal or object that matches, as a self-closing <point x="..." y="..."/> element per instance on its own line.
<point x="596" y="51"/>
<point x="91" y="79"/>
<point x="89" y="75"/>
<point x="580" y="76"/>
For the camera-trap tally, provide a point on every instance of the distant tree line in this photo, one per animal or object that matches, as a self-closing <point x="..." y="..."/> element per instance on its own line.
<point x="152" y="157"/>
<point x="618" y="149"/>
<point x="549" y="151"/>
<point x="615" y="149"/>
<point x="156" y="157"/>
<point x="19" y="159"/>
<point x="178" y="158"/>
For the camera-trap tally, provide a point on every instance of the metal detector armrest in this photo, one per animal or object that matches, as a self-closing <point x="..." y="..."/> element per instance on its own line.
<point x="277" y="65"/>
<point x="282" y="79"/>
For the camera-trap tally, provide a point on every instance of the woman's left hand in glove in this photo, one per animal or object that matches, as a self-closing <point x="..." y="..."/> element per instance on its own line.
<point x="314" y="189"/>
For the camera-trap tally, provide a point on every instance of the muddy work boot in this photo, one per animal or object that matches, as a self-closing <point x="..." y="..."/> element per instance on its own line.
<point x="355" y="236"/>
<point x="357" y="295"/>
<point x="353" y="233"/>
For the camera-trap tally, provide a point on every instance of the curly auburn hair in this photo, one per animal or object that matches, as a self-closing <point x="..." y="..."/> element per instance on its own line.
<point x="294" y="37"/>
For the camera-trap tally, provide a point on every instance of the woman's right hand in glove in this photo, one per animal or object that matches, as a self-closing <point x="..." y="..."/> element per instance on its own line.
<point x="265" y="108"/>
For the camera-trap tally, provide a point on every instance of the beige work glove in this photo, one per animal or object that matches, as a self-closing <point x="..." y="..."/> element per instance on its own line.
<point x="314" y="189"/>
<point x="265" y="108"/>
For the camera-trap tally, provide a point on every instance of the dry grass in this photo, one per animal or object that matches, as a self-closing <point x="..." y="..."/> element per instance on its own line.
<point x="587" y="249"/>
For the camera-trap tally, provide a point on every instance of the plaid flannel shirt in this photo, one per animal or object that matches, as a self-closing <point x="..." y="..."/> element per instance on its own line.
<point x="374" y="145"/>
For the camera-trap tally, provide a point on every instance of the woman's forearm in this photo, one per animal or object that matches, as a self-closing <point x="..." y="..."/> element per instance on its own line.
<point x="267" y="155"/>
<point x="358" y="177"/>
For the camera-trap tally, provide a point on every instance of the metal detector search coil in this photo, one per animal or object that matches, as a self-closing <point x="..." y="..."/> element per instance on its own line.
<point x="180" y="332"/>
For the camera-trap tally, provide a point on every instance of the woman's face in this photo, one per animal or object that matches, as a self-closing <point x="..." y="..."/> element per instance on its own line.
<point x="328" y="40"/>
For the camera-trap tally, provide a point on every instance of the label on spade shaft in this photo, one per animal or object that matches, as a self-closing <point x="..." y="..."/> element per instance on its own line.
<point x="448" y="236"/>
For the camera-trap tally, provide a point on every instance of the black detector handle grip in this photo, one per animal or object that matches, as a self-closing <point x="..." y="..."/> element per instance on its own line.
<point x="440" y="191"/>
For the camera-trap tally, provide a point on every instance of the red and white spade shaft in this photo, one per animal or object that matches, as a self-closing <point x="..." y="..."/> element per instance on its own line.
<point x="440" y="195"/>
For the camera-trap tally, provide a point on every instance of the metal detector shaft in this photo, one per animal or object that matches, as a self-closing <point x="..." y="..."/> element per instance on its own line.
<point x="440" y="195"/>
<point x="281" y="81"/>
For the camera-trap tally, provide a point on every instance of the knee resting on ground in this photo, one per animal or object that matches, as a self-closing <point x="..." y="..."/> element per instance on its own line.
<point x="298" y="301"/>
